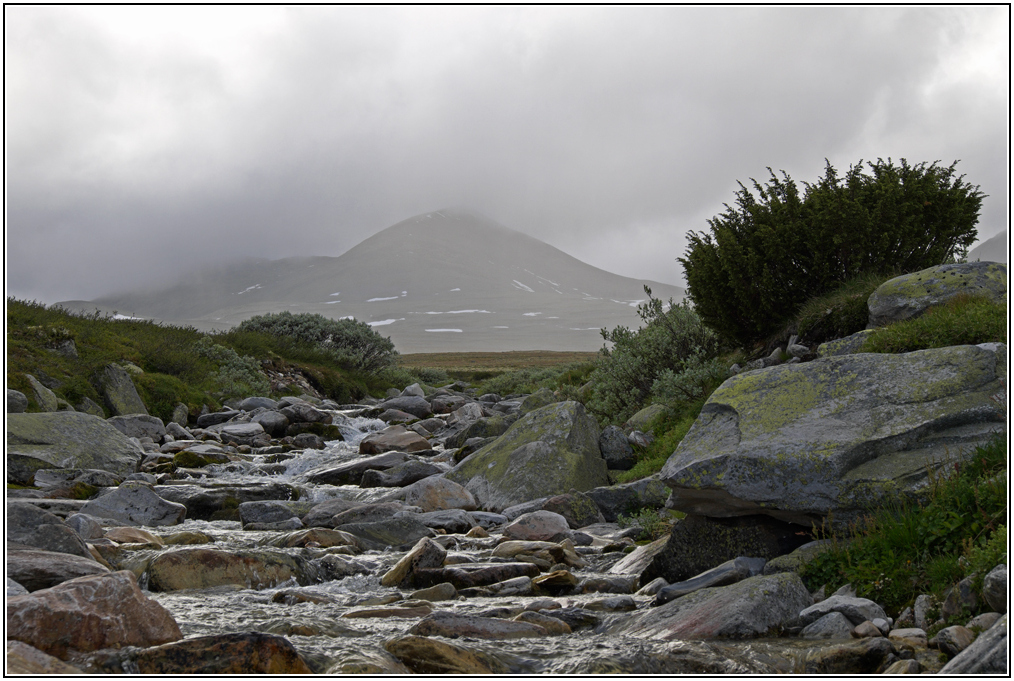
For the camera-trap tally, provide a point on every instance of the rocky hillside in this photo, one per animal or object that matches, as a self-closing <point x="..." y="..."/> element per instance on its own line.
<point x="440" y="282"/>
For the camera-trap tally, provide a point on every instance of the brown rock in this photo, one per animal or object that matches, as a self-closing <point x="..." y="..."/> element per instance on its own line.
<point x="429" y="656"/>
<point x="24" y="659"/>
<point x="904" y="667"/>
<point x="440" y="592"/>
<point x="438" y="494"/>
<point x="393" y="439"/>
<point x="425" y="554"/>
<point x="198" y="568"/>
<point x="44" y="569"/>
<point x="466" y="575"/>
<point x="554" y="626"/>
<point x="322" y="537"/>
<point x="454" y="626"/>
<point x="89" y="613"/>
<point x="406" y="612"/>
<point x="537" y="526"/>
<point x="952" y="640"/>
<point x="556" y="581"/>
<point x="132" y="535"/>
<point x="247" y="653"/>
<point x="865" y="656"/>
<point x="866" y="629"/>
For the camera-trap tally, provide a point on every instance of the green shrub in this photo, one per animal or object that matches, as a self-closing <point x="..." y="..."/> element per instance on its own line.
<point x="350" y="343"/>
<point x="235" y="376"/>
<point x="673" y="341"/>
<point x="917" y="546"/>
<point x="983" y="558"/>
<point x="964" y="320"/>
<point x="770" y="253"/>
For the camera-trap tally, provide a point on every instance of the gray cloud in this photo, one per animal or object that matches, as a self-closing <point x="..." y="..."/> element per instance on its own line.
<point x="143" y="143"/>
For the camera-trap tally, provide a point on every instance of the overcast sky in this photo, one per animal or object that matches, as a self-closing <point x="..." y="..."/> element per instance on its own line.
<point x="144" y="142"/>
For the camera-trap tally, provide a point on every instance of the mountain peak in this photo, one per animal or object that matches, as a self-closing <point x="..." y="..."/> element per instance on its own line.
<point x="446" y="280"/>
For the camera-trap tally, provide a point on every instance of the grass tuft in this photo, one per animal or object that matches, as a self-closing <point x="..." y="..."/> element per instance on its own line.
<point x="963" y="320"/>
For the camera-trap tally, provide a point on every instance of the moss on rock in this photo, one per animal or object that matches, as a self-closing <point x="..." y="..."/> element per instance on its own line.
<point x="546" y="452"/>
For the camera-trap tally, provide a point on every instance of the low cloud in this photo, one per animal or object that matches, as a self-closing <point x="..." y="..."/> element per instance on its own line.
<point x="145" y="143"/>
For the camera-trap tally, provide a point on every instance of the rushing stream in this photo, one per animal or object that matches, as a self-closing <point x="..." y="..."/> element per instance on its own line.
<point x="311" y="616"/>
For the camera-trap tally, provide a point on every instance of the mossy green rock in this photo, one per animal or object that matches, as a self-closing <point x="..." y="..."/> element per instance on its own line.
<point x="538" y="399"/>
<point x="912" y="294"/>
<point x="44" y="397"/>
<point x="66" y="439"/>
<point x="119" y="392"/>
<point x="836" y="435"/>
<point x="547" y="452"/>
<point x="642" y="419"/>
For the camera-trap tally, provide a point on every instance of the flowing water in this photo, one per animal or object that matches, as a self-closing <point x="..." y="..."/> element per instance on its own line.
<point x="311" y="616"/>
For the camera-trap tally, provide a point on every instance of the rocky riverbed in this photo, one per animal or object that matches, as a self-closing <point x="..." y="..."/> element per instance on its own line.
<point x="303" y="536"/>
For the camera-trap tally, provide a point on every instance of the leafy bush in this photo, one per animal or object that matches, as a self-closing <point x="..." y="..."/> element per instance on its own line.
<point x="963" y="320"/>
<point x="352" y="344"/>
<point x="565" y="377"/>
<point x="770" y="253"/>
<point x="235" y="376"/>
<point x="673" y="341"/>
<point x="918" y="547"/>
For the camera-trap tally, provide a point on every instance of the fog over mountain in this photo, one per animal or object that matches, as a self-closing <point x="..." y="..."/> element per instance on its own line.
<point x="146" y="142"/>
<point x="444" y="281"/>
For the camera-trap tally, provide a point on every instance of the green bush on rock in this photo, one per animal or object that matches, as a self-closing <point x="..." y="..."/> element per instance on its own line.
<point x="772" y="252"/>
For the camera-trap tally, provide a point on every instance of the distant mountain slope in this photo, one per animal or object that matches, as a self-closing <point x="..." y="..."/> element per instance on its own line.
<point x="445" y="281"/>
<point x="993" y="249"/>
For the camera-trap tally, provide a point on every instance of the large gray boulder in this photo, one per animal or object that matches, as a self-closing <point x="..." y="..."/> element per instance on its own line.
<point x="139" y="425"/>
<point x="44" y="397"/>
<point x="835" y="435"/>
<point x="119" y="392"/>
<point x="986" y="655"/>
<point x="66" y="439"/>
<point x="31" y="526"/>
<point x="416" y="405"/>
<point x="135" y="503"/>
<point x="546" y="452"/>
<point x="754" y="607"/>
<point x="909" y="295"/>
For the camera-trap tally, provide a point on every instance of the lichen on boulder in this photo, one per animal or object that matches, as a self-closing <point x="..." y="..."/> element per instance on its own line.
<point x="912" y="294"/>
<point x="836" y="435"/>
<point x="546" y="452"/>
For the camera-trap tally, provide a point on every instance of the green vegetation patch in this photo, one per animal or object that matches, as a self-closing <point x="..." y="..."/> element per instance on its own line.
<point x="838" y="314"/>
<point x="914" y="547"/>
<point x="669" y="429"/>
<point x="963" y="320"/>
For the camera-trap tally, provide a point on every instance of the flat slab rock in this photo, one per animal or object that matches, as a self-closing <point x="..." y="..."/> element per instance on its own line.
<point x="467" y="575"/>
<point x="751" y="608"/>
<point x="450" y="625"/>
